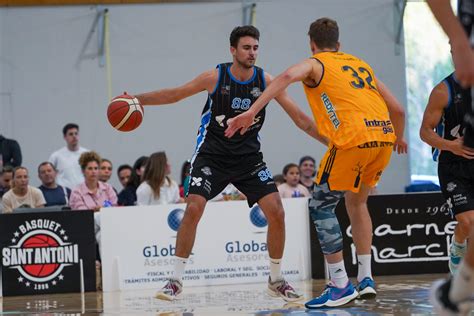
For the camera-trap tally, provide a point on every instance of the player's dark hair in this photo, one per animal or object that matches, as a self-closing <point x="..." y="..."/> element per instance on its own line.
<point x="241" y="31"/>
<point x="69" y="126"/>
<point x="324" y="32"/>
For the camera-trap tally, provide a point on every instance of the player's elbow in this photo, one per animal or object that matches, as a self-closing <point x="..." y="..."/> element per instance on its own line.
<point x="423" y="132"/>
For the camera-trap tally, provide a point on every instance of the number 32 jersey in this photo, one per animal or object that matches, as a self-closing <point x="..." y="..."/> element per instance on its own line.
<point x="346" y="104"/>
<point x="230" y="98"/>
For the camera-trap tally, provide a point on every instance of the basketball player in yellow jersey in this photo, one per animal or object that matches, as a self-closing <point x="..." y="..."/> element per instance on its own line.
<point x="364" y="122"/>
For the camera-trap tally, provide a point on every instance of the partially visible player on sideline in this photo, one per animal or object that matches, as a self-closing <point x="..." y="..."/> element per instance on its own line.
<point x="443" y="128"/>
<point x="364" y="122"/>
<point x="452" y="296"/>
<point x="218" y="160"/>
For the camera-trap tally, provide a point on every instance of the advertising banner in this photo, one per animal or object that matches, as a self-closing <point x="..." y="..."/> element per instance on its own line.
<point x="411" y="235"/>
<point x="138" y="245"/>
<point x="41" y="252"/>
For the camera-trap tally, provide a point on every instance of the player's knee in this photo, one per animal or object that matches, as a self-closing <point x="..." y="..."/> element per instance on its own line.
<point x="193" y="212"/>
<point x="465" y="223"/>
<point x="276" y="216"/>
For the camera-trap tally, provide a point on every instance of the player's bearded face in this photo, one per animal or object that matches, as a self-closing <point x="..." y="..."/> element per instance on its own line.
<point x="246" y="52"/>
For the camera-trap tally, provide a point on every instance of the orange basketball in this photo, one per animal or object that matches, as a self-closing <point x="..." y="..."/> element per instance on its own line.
<point x="125" y="113"/>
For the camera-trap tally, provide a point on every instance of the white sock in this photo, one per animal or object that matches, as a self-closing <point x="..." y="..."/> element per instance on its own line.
<point x="179" y="265"/>
<point x="364" y="267"/>
<point x="337" y="273"/>
<point x="275" y="269"/>
<point x="462" y="285"/>
<point x="459" y="245"/>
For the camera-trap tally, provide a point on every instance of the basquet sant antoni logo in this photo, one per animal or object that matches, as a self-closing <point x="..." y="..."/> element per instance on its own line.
<point x="40" y="250"/>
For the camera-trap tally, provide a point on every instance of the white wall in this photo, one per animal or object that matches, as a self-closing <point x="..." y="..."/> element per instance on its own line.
<point x="163" y="45"/>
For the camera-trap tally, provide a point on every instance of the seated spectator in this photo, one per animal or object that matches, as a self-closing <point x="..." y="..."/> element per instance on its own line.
<point x="157" y="187"/>
<point x="230" y="193"/>
<point x="92" y="194"/>
<point x="292" y="188"/>
<point x="183" y="187"/>
<point x="307" y="172"/>
<point x="22" y="195"/>
<point x="6" y="176"/>
<point x="279" y="179"/>
<point x="105" y="171"/>
<point x="10" y="153"/>
<point x="53" y="193"/>
<point x="128" y="196"/>
<point x="123" y="173"/>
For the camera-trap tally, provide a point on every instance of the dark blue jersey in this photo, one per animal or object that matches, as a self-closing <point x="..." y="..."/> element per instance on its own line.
<point x="451" y="125"/>
<point x="230" y="98"/>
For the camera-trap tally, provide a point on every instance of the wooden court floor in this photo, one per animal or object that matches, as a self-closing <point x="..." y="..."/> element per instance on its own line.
<point x="397" y="295"/>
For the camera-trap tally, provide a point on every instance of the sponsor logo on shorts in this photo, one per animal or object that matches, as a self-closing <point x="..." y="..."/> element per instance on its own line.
<point x="451" y="186"/>
<point x="207" y="171"/>
<point x="196" y="181"/>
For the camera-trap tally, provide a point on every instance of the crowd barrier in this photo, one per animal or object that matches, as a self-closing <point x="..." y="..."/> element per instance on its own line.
<point x="411" y="235"/>
<point x="54" y="252"/>
<point x="47" y="252"/>
<point x="138" y="244"/>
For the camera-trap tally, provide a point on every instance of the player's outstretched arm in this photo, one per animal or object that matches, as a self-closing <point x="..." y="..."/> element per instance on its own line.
<point x="303" y="121"/>
<point x="205" y="81"/>
<point x="434" y="110"/>
<point x="295" y="73"/>
<point x="397" y="116"/>
<point x="463" y="56"/>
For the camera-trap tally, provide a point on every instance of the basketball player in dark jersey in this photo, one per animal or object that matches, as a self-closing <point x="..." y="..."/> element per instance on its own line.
<point x="218" y="160"/>
<point x="443" y="128"/>
<point x="461" y="37"/>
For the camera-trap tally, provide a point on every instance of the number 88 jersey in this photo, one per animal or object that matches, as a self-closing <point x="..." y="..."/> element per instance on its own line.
<point x="230" y="98"/>
<point x="346" y="104"/>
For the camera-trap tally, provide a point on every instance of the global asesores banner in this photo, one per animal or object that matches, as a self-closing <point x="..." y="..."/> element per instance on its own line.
<point x="41" y="252"/>
<point x="230" y="245"/>
<point x="411" y="235"/>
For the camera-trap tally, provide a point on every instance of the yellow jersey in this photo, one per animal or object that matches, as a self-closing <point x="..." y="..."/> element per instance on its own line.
<point x="346" y="104"/>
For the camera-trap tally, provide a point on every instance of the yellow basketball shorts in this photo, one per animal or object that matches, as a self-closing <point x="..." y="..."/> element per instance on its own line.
<point x="346" y="169"/>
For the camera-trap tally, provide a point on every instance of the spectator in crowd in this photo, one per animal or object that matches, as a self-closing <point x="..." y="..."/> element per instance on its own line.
<point x="65" y="160"/>
<point x="128" y="196"/>
<point x="123" y="173"/>
<point x="279" y="179"/>
<point x="292" y="186"/>
<point x="230" y="193"/>
<point x="184" y="178"/>
<point x="53" y="193"/>
<point x="10" y="152"/>
<point x="157" y="187"/>
<point x="307" y="172"/>
<point x="22" y="195"/>
<point x="92" y="194"/>
<point x="6" y="176"/>
<point x="105" y="171"/>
